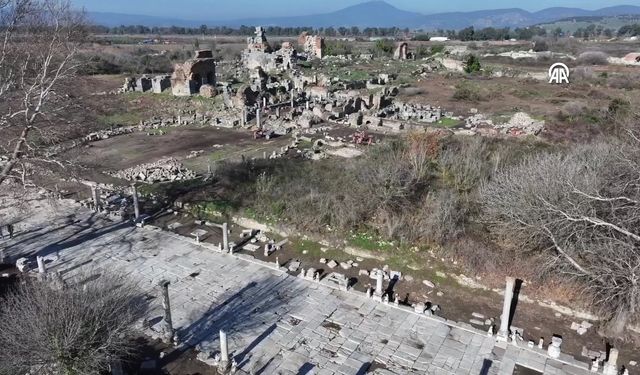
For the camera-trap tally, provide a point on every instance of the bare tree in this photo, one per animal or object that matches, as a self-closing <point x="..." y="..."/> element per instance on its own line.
<point x="465" y="164"/>
<point x="581" y="209"/>
<point x="75" y="329"/>
<point x="38" y="49"/>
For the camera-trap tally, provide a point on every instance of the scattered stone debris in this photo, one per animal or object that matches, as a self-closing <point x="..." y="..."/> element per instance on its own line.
<point x="581" y="328"/>
<point x="522" y="124"/>
<point x="294" y="265"/>
<point x="428" y="283"/>
<point x="168" y="169"/>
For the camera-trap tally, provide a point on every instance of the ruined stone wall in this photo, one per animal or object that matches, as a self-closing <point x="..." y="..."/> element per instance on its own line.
<point x="401" y="52"/>
<point x="259" y="54"/>
<point x="188" y="77"/>
<point x="312" y="45"/>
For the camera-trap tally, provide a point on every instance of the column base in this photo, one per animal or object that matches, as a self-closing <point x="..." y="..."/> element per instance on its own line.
<point x="502" y="337"/>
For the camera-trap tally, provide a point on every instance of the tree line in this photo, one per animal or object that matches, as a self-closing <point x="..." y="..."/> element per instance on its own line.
<point x="249" y="30"/>
<point x="629" y="30"/>
<point x="492" y="33"/>
<point x="466" y="34"/>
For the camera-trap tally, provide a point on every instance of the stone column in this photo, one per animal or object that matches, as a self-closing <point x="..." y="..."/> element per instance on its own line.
<point x="224" y="347"/>
<point x="258" y="118"/>
<point x="166" y="305"/>
<point x="379" y="280"/>
<point x="611" y="367"/>
<point x="225" y="237"/>
<point x="42" y="268"/>
<point x="503" y="334"/>
<point x="293" y="98"/>
<point x="244" y="116"/>
<point x="95" y="194"/>
<point x="264" y="101"/>
<point x="136" y="204"/>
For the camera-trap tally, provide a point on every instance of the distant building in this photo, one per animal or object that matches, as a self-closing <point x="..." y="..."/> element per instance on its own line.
<point x="439" y="39"/>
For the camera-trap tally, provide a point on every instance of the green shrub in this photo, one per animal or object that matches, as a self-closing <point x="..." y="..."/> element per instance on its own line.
<point x="467" y="92"/>
<point x="337" y="47"/>
<point x="437" y="48"/>
<point x="383" y="47"/>
<point x="422" y="37"/>
<point x="472" y="64"/>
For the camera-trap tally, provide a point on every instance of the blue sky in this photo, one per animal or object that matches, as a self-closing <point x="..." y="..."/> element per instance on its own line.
<point x="230" y="9"/>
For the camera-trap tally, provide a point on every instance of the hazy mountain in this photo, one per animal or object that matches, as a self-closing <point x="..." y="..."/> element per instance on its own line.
<point x="117" y="19"/>
<point x="572" y="24"/>
<point x="370" y="14"/>
<point x="382" y="14"/>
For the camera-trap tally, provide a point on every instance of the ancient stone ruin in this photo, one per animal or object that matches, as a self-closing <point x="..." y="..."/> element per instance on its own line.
<point x="194" y="76"/>
<point x="259" y="54"/>
<point x="191" y="76"/>
<point x="156" y="84"/>
<point x="312" y="45"/>
<point x="402" y="51"/>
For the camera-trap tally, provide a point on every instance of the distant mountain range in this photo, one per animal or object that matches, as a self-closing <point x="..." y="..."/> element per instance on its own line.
<point x="381" y="14"/>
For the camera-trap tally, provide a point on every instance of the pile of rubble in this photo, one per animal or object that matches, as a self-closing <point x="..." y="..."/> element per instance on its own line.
<point x="168" y="169"/>
<point x="521" y="124"/>
<point x="428" y="67"/>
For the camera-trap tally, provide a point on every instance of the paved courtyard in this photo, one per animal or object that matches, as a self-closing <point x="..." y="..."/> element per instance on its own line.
<point x="276" y="323"/>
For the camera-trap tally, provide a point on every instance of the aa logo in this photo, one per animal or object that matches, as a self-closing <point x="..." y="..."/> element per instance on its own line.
<point x="559" y="73"/>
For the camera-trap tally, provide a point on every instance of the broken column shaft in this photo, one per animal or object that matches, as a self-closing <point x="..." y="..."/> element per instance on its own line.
<point x="41" y="266"/>
<point x="42" y="269"/>
<point x="136" y="204"/>
<point x="166" y="305"/>
<point x="224" y="347"/>
<point x="379" y="280"/>
<point x="95" y="194"/>
<point x="225" y="237"/>
<point x="506" y="308"/>
<point x="258" y="124"/>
